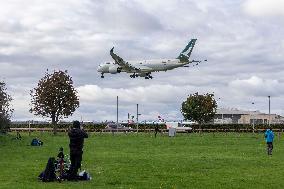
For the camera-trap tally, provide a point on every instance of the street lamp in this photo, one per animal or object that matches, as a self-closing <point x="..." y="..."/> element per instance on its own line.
<point x="222" y="113"/>
<point x="116" y="114"/>
<point x="137" y="120"/>
<point x="269" y="110"/>
<point x="253" y="116"/>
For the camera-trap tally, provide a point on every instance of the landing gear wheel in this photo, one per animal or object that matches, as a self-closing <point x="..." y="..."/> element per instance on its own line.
<point x="151" y="77"/>
<point x="102" y="76"/>
<point x="133" y="75"/>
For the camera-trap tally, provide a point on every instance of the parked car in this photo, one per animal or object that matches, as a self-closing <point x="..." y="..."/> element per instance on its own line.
<point x="179" y="127"/>
<point x="183" y="128"/>
<point x="113" y="127"/>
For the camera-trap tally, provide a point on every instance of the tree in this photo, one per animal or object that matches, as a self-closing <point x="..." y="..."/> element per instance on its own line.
<point x="54" y="97"/>
<point x="5" y="110"/>
<point x="199" y="108"/>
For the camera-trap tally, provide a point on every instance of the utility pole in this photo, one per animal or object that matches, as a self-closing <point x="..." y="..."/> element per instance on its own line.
<point x="269" y="110"/>
<point x="29" y="128"/>
<point x="116" y="113"/>
<point x="137" y="119"/>
<point x="253" y="116"/>
<point x="128" y="118"/>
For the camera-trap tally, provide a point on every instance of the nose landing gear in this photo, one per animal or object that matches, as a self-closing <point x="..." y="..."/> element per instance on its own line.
<point x="102" y="76"/>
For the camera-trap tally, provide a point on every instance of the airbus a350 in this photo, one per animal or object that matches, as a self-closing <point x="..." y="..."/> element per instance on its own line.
<point x="144" y="68"/>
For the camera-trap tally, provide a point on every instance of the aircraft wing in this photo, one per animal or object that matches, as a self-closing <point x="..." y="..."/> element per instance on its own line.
<point x="118" y="60"/>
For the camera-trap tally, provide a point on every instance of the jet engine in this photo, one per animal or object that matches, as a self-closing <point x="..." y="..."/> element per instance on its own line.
<point x="114" y="69"/>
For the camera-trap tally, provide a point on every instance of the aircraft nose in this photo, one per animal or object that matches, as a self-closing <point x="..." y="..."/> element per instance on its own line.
<point x="99" y="69"/>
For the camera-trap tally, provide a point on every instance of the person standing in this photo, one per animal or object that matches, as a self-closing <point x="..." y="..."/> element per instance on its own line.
<point x="76" y="135"/>
<point x="60" y="162"/>
<point x="269" y="136"/>
<point x="156" y="130"/>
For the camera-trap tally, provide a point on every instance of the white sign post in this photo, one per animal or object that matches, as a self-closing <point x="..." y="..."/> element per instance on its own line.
<point x="172" y="132"/>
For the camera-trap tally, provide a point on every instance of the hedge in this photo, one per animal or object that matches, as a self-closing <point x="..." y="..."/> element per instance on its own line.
<point x="95" y="126"/>
<point x="99" y="126"/>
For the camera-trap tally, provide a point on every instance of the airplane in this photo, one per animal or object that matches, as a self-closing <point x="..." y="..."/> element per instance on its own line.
<point x="144" y="68"/>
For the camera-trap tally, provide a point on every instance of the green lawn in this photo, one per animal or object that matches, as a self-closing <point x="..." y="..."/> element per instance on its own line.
<point x="142" y="161"/>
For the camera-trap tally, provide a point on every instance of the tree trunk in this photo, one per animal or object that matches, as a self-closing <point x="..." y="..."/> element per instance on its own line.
<point x="55" y="128"/>
<point x="200" y="128"/>
<point x="54" y="124"/>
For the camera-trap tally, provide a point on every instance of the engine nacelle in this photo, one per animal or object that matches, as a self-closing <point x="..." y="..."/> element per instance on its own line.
<point x="114" y="69"/>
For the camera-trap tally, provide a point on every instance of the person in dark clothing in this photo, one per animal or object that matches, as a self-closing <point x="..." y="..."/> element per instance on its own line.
<point x="60" y="162"/>
<point x="18" y="137"/>
<point x="76" y="136"/>
<point x="48" y="175"/>
<point x="60" y="154"/>
<point x="156" y="130"/>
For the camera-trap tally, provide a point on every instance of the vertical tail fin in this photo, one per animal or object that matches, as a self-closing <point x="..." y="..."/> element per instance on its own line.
<point x="185" y="54"/>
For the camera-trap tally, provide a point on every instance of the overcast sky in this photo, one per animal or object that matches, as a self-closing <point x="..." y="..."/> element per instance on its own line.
<point x="242" y="40"/>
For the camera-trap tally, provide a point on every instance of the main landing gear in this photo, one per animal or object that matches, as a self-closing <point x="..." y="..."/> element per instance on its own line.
<point x="134" y="75"/>
<point x="148" y="76"/>
<point x="102" y="76"/>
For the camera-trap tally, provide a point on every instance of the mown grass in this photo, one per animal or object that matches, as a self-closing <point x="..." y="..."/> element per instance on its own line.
<point x="141" y="161"/>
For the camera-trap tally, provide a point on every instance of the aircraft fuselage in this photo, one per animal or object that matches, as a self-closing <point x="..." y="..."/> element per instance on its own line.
<point x="143" y="66"/>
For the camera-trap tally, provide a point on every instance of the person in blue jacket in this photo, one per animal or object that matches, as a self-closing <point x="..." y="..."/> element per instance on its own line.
<point x="269" y="136"/>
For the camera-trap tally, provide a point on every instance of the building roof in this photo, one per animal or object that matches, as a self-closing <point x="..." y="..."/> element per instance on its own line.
<point x="236" y="112"/>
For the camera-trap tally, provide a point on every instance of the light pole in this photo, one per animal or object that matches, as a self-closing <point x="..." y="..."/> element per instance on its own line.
<point x="222" y="113"/>
<point x="269" y="111"/>
<point x="128" y="118"/>
<point x="253" y="116"/>
<point x="137" y="119"/>
<point x="116" y="113"/>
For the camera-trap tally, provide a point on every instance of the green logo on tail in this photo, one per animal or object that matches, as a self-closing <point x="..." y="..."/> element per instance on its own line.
<point x="185" y="54"/>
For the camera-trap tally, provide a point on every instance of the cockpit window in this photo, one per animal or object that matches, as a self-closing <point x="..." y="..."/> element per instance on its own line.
<point x="107" y="63"/>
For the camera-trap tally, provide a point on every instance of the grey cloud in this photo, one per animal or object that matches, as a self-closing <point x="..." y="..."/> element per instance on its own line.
<point x="77" y="35"/>
<point x="264" y="8"/>
<point x="256" y="86"/>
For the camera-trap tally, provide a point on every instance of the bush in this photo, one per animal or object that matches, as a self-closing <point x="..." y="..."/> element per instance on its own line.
<point x="144" y="127"/>
<point x="4" y="125"/>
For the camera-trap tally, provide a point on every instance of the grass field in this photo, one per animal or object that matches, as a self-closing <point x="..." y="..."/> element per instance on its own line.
<point x="141" y="161"/>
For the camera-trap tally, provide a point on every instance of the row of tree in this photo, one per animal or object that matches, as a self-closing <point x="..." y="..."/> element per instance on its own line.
<point x="55" y="97"/>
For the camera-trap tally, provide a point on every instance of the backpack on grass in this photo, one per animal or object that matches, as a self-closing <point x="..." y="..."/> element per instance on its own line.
<point x="36" y="142"/>
<point x="48" y="175"/>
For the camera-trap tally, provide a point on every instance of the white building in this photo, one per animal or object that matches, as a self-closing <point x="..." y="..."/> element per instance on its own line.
<point x="235" y="116"/>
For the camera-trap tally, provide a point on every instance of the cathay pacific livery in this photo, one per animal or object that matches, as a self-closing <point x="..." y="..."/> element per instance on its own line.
<point x="144" y="68"/>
